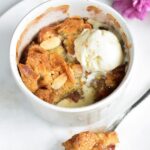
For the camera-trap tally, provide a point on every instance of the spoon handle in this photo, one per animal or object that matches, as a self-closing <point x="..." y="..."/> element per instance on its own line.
<point x="143" y="97"/>
<point x="139" y="101"/>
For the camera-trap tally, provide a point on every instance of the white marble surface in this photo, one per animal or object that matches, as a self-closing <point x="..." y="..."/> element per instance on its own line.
<point x="134" y="131"/>
<point x="5" y="5"/>
<point x="20" y="128"/>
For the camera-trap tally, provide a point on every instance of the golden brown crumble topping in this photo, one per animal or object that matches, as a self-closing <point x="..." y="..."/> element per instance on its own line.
<point x="49" y="69"/>
<point x="92" y="141"/>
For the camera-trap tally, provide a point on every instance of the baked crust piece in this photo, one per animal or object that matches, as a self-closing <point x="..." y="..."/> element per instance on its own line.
<point x="42" y="68"/>
<point x="70" y="29"/>
<point x="92" y="141"/>
<point x="29" y="77"/>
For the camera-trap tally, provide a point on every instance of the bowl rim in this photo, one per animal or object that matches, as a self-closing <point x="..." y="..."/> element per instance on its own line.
<point x="101" y="103"/>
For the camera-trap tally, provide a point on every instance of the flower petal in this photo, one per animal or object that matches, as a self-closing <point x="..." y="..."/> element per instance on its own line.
<point x="132" y="8"/>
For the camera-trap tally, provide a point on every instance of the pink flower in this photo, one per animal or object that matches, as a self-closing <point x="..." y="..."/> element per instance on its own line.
<point x="132" y="8"/>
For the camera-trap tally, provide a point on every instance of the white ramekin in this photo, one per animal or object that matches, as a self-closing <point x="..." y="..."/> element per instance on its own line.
<point x="52" y="11"/>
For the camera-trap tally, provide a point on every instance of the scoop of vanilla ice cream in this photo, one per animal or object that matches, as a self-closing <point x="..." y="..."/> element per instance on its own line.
<point x="98" y="50"/>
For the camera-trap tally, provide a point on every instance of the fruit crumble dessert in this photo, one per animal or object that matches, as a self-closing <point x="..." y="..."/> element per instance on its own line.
<point x="73" y="63"/>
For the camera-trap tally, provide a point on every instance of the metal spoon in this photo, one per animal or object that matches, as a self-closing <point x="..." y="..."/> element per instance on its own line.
<point x="139" y="101"/>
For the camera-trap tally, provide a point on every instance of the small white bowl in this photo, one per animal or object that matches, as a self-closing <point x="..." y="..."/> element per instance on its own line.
<point x="53" y="11"/>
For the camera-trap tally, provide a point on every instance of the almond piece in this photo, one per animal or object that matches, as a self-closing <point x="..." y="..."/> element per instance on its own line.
<point x="59" y="81"/>
<point x="51" y="43"/>
<point x="69" y="73"/>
